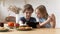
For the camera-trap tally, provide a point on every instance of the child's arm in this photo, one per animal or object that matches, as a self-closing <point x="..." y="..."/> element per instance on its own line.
<point x="45" y="22"/>
<point x="53" y="21"/>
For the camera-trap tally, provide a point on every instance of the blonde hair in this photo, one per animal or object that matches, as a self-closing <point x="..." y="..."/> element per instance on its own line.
<point x="43" y="11"/>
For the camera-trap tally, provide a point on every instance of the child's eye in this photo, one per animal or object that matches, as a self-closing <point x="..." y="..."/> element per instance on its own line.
<point x="26" y="12"/>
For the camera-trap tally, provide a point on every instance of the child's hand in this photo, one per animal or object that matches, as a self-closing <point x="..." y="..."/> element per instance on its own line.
<point x="52" y="21"/>
<point x="49" y="18"/>
<point x="52" y="17"/>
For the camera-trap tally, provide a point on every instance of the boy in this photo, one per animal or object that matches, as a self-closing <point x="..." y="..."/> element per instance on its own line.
<point x="30" y="21"/>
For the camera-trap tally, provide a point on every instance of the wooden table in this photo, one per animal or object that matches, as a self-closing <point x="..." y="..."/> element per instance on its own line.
<point x="35" y="31"/>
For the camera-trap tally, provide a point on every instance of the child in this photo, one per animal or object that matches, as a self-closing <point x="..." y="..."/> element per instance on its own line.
<point x="44" y="19"/>
<point x="28" y="10"/>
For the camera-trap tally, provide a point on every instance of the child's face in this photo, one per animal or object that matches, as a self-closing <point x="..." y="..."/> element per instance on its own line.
<point x="38" y="13"/>
<point x="27" y="14"/>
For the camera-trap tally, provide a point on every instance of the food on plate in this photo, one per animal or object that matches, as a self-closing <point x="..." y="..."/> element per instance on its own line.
<point x="3" y="29"/>
<point x="25" y="28"/>
<point x="28" y="27"/>
<point x="21" y="28"/>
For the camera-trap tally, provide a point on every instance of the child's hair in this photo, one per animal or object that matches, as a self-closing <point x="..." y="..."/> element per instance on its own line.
<point x="28" y="7"/>
<point x="43" y="11"/>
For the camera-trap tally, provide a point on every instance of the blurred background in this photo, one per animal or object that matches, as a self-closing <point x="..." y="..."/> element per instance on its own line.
<point x="52" y="6"/>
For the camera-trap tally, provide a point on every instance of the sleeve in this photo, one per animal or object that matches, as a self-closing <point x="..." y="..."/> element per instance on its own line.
<point x="34" y="20"/>
<point x="22" y="19"/>
<point x="37" y="20"/>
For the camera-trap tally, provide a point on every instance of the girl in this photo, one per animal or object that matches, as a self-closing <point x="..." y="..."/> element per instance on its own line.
<point x="44" y="19"/>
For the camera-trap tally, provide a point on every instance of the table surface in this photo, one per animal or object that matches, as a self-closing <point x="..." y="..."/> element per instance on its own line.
<point x="35" y="31"/>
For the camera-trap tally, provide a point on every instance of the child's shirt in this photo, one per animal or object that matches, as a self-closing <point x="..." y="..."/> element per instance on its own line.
<point x="32" y="19"/>
<point x="31" y="22"/>
<point x="41" y="20"/>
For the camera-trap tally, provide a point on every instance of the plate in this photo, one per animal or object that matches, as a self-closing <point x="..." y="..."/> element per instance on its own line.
<point x="24" y="28"/>
<point x="3" y="29"/>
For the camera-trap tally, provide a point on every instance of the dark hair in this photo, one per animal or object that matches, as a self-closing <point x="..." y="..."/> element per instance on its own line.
<point x="43" y="10"/>
<point x="28" y="7"/>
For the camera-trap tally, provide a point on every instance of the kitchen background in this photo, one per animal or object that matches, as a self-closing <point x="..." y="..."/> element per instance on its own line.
<point x="52" y="6"/>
